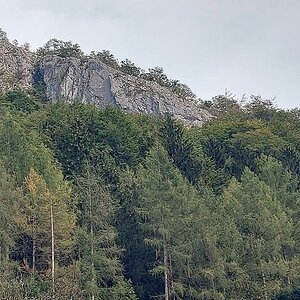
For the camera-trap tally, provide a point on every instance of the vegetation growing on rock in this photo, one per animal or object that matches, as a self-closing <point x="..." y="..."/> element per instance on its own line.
<point x="98" y="203"/>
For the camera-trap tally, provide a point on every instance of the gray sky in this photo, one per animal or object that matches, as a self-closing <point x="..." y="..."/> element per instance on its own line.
<point x="245" y="46"/>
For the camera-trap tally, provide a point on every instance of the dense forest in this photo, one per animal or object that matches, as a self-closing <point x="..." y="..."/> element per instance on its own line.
<point x="102" y="204"/>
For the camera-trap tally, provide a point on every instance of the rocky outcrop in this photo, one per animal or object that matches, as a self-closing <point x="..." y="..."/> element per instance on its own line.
<point x="90" y="81"/>
<point x="16" y="66"/>
<point x="77" y="79"/>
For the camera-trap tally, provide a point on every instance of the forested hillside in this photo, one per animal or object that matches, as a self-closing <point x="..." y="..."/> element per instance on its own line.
<point x="61" y="70"/>
<point x="102" y="204"/>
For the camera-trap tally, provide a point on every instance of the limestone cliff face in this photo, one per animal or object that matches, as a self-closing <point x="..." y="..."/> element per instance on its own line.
<point x="16" y="66"/>
<point x="90" y="81"/>
<point x="77" y="79"/>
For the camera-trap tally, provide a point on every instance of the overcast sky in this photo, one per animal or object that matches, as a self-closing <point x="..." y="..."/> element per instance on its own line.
<point x="245" y="46"/>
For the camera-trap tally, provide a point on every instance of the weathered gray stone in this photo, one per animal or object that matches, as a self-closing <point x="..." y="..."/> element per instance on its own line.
<point x="90" y="81"/>
<point x="77" y="79"/>
<point x="16" y="66"/>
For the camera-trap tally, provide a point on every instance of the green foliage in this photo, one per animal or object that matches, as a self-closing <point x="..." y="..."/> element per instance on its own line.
<point x="266" y="231"/>
<point x="291" y="296"/>
<point x="107" y="138"/>
<point x="40" y="202"/>
<point x="60" y="48"/>
<point x="139" y="202"/>
<point x="123" y="290"/>
<point x="128" y="67"/>
<point x="237" y="141"/>
<point x="185" y="247"/>
<point x="137" y="257"/>
<point x="99" y="253"/>
<point x="260" y="108"/>
<point x="21" y="101"/>
<point x="21" y="148"/>
<point x="158" y="75"/>
<point x="106" y="57"/>
<point x="222" y="105"/>
<point x="55" y="47"/>
<point x="11" y="220"/>
<point x="11" y="289"/>
<point x="189" y="159"/>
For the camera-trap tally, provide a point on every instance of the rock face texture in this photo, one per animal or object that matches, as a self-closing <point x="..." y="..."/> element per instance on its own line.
<point x="90" y="81"/>
<point x="16" y="66"/>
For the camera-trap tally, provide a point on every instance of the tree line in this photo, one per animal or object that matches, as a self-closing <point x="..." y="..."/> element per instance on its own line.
<point x="102" y="204"/>
<point x="157" y="74"/>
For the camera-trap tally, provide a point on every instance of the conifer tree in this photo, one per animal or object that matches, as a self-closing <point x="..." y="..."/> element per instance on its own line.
<point x="10" y="220"/>
<point x="265" y="229"/>
<point x="99" y="255"/>
<point x="284" y="187"/>
<point x="48" y="227"/>
<point x="176" y="223"/>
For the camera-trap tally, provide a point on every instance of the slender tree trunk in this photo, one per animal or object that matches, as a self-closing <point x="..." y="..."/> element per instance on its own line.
<point x="91" y="230"/>
<point x="33" y="253"/>
<point x="166" y="277"/>
<point x="52" y="249"/>
<point x="265" y="286"/>
<point x="189" y="276"/>
<point x="33" y="230"/>
<point x="92" y="254"/>
<point x="171" y="282"/>
<point x="286" y="260"/>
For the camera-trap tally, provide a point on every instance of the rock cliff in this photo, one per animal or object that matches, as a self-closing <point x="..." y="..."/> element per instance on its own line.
<point x="90" y="81"/>
<point x="16" y="66"/>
